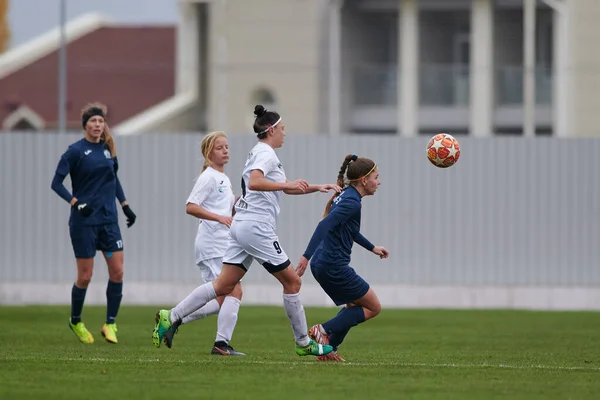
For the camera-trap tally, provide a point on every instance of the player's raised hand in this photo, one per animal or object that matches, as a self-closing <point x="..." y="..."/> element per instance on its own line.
<point x="328" y="186"/>
<point x="301" y="267"/>
<point x="381" y="251"/>
<point x="299" y="184"/>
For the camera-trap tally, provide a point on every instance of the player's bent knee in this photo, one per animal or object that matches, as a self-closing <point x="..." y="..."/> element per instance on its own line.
<point x="237" y="292"/>
<point x="377" y="309"/>
<point x="286" y="275"/>
<point x="292" y="285"/>
<point x="373" y="310"/>
<point x="223" y="288"/>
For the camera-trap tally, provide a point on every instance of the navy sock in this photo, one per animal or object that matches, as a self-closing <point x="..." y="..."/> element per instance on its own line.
<point x="336" y="338"/>
<point x="339" y="325"/>
<point x="114" y="294"/>
<point x="77" y="300"/>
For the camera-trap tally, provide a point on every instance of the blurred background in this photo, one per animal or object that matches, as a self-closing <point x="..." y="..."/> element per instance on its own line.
<point x="514" y="224"/>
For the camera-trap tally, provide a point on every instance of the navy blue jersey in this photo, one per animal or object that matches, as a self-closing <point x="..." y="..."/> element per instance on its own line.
<point x="331" y="243"/>
<point x="94" y="180"/>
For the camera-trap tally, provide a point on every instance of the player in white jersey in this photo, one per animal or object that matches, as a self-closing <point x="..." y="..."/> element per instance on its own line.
<point x="211" y="201"/>
<point x="253" y="237"/>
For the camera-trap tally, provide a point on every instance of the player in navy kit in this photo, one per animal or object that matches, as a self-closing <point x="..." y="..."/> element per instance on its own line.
<point x="330" y="248"/>
<point x="93" y="225"/>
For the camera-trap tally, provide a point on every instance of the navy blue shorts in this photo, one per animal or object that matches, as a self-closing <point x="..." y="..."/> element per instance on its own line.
<point x="86" y="240"/>
<point x="342" y="284"/>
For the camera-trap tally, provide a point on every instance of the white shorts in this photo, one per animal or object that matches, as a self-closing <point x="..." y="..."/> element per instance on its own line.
<point x="210" y="268"/>
<point x="251" y="240"/>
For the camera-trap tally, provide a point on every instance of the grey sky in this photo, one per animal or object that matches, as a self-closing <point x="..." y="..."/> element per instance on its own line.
<point x="30" y="18"/>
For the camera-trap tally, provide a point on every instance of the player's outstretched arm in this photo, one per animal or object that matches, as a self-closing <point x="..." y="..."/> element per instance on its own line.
<point x="258" y="183"/>
<point x="315" y="188"/>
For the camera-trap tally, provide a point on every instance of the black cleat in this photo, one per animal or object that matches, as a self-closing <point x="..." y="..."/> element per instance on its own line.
<point x="224" y="349"/>
<point x="168" y="337"/>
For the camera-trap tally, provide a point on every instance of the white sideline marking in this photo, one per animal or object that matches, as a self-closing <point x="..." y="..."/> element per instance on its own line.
<point x="238" y="360"/>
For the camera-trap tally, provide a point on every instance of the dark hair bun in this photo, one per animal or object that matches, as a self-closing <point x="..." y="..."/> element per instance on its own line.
<point x="259" y="111"/>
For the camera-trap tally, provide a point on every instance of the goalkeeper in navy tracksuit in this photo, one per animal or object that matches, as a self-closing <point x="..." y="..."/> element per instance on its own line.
<point x="92" y="164"/>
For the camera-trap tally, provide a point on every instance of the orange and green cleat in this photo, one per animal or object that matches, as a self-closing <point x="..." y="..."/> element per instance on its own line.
<point x="317" y="333"/>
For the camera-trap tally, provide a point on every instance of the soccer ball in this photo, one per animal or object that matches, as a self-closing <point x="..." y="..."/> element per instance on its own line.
<point x="443" y="150"/>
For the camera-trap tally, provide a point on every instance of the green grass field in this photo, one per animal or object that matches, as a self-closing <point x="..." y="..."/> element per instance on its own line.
<point x="408" y="354"/>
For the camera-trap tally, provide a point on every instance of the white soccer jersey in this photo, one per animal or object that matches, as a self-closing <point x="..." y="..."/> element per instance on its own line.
<point x="212" y="192"/>
<point x="257" y="205"/>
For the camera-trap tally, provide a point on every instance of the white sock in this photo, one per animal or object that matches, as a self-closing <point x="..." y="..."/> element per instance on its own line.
<point x="227" y="319"/>
<point x="295" y="312"/>
<point x="210" y="308"/>
<point x="194" y="301"/>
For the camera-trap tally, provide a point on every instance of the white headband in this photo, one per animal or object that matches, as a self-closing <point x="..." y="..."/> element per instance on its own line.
<point x="272" y="126"/>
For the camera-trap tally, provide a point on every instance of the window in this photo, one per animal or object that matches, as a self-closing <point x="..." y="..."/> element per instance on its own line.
<point x="265" y="97"/>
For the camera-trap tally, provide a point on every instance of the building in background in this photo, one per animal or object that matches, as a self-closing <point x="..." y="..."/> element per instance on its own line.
<point x="26" y="25"/>
<point x="129" y="68"/>
<point x="335" y="67"/>
<point x="408" y="66"/>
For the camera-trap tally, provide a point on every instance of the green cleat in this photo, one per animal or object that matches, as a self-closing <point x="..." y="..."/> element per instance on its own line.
<point x="162" y="324"/>
<point x="314" y="349"/>
<point x="109" y="331"/>
<point x="168" y="336"/>
<point x="81" y="332"/>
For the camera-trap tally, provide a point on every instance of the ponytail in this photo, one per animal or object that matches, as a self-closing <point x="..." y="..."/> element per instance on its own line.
<point x="109" y="141"/>
<point x="205" y="165"/>
<point x="340" y="181"/>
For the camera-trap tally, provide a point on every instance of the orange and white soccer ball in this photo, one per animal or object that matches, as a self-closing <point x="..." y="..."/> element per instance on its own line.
<point x="443" y="150"/>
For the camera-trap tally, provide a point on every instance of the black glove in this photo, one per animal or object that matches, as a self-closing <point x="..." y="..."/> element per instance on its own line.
<point x="130" y="215"/>
<point x="83" y="209"/>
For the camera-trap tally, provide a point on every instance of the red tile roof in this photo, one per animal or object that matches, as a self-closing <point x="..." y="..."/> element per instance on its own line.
<point x="127" y="68"/>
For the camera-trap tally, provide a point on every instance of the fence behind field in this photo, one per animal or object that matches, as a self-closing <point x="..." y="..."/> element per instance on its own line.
<point x="513" y="224"/>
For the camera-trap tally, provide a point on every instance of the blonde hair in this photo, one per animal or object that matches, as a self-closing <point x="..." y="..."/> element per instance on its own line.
<point x="106" y="136"/>
<point x="208" y="143"/>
